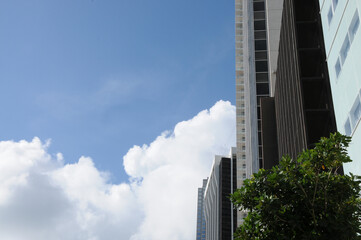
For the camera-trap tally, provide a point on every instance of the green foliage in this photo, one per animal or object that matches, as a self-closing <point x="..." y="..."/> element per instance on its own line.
<point x="304" y="198"/>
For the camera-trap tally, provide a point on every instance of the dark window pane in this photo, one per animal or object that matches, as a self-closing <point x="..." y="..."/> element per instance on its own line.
<point x="259" y="100"/>
<point x="260" y="25"/>
<point x="261" y="66"/>
<point x="259" y="35"/>
<point x="258" y="6"/>
<point x="261" y="77"/>
<point x="259" y="15"/>
<point x="259" y="137"/>
<point x="260" y="45"/>
<point x="260" y="152"/>
<point x="262" y="89"/>
<point x="261" y="55"/>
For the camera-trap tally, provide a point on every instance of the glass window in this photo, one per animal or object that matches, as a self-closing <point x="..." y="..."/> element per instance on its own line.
<point x="329" y="15"/>
<point x="260" y="152"/>
<point x="261" y="77"/>
<point x="354" y="26"/>
<point x="338" y="67"/>
<point x="261" y="66"/>
<point x="344" y="49"/>
<point x="261" y="55"/>
<point x="334" y="3"/>
<point x="260" y="34"/>
<point x="262" y="88"/>
<point x="348" y="128"/>
<point x="260" y="45"/>
<point x="259" y="15"/>
<point x="356" y="112"/>
<point x="258" y="6"/>
<point x="258" y="100"/>
<point x="260" y="25"/>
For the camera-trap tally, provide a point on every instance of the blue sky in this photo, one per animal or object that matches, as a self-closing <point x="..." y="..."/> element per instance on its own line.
<point x="99" y="76"/>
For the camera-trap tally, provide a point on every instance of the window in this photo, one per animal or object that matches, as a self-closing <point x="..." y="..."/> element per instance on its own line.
<point x="244" y="166"/>
<point x="356" y="112"/>
<point x="330" y="15"/>
<point x="262" y="88"/>
<point x="260" y="45"/>
<point x="261" y="55"/>
<point x="347" y="126"/>
<point x="244" y="176"/>
<point x="260" y="25"/>
<point x="261" y="77"/>
<point x="354" y="26"/>
<point x="331" y="11"/>
<point x="338" y="67"/>
<point x="354" y="117"/>
<point x="258" y="6"/>
<point x="261" y="66"/>
<point x="259" y="15"/>
<point x="352" y="30"/>
<point x="334" y="3"/>
<point x="344" y="49"/>
<point x="260" y="34"/>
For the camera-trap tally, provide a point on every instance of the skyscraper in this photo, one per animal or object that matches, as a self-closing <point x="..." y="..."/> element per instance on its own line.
<point x="220" y="216"/>
<point x="256" y="60"/>
<point x="341" y="30"/>
<point x="302" y="97"/>
<point x="201" y="221"/>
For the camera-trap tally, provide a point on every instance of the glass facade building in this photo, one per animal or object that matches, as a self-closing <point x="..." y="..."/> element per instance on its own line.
<point x="201" y="222"/>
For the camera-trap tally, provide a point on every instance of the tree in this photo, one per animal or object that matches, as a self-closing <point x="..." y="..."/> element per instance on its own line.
<point x="304" y="198"/>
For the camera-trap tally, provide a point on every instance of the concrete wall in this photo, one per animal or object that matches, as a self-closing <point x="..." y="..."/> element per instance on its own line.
<point x="346" y="86"/>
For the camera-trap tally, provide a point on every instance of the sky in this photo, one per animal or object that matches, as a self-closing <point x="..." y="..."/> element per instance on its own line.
<point x="107" y="104"/>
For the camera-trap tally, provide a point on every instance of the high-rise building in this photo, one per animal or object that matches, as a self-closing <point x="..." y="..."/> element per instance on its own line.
<point x="201" y="221"/>
<point x="341" y="31"/>
<point x="302" y="103"/>
<point x="257" y="38"/>
<point x="220" y="216"/>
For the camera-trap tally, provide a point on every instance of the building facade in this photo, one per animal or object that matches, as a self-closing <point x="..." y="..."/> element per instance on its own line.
<point x="201" y="221"/>
<point x="257" y="38"/>
<point x="220" y="216"/>
<point x="341" y="30"/>
<point x="302" y="103"/>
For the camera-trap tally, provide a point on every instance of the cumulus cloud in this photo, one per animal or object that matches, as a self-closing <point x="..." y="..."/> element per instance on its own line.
<point x="43" y="198"/>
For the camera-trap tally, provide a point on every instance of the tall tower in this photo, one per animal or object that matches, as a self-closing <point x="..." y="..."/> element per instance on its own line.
<point x="252" y="83"/>
<point x="257" y="43"/>
<point x="201" y="221"/>
<point x="342" y="34"/>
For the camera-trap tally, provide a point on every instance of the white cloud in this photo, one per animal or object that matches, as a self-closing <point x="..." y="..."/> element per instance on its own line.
<point x="41" y="198"/>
